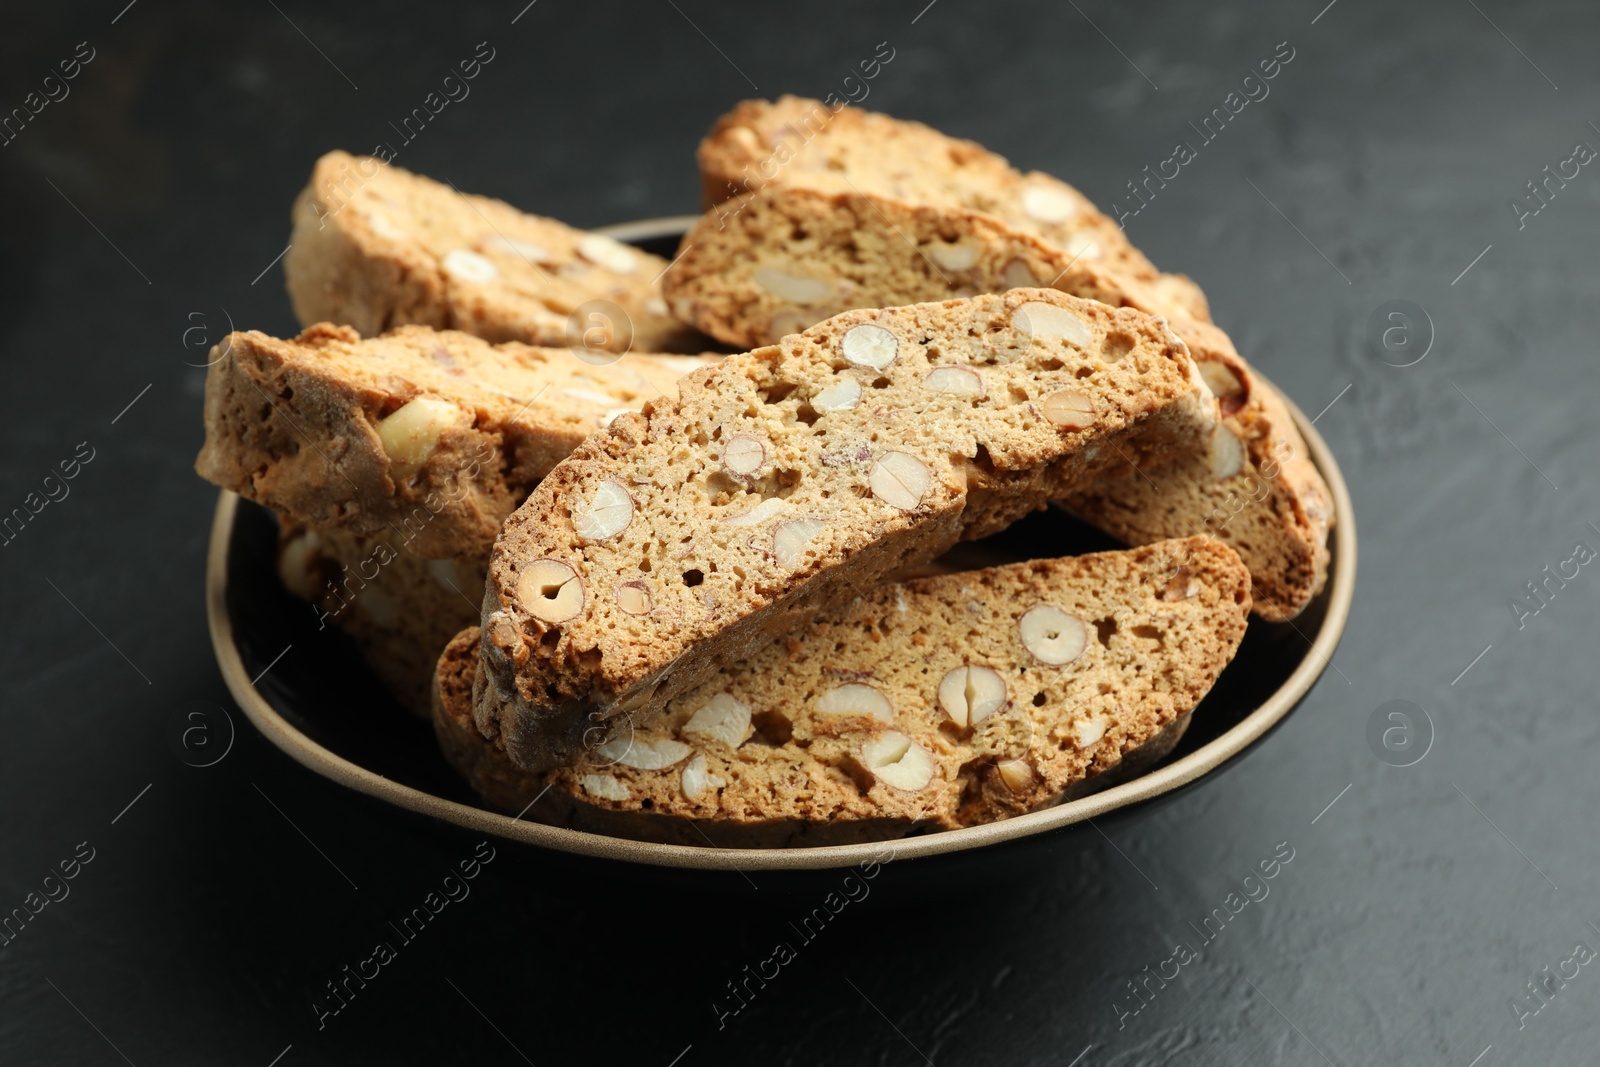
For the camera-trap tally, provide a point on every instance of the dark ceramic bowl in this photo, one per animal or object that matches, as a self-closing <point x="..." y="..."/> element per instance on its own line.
<point x="324" y="708"/>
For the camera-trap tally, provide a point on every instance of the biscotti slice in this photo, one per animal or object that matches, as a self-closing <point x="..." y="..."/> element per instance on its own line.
<point x="791" y="255"/>
<point x="940" y="703"/>
<point x="375" y="247"/>
<point x="430" y="436"/>
<point x="791" y="477"/>
<point x="398" y="608"/>
<point x="796" y="143"/>
<point x="1255" y="489"/>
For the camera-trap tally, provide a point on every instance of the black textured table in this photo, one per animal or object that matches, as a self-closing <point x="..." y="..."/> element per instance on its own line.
<point x="1434" y="864"/>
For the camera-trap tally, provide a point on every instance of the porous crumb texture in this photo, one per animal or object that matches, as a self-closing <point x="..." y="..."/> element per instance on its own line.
<point x="432" y="437"/>
<point x="792" y="255"/>
<point x="940" y="703"/>
<point x="374" y="247"/>
<point x="400" y="609"/>
<point x="796" y="476"/>
<point x="1255" y="488"/>
<point x="797" y="143"/>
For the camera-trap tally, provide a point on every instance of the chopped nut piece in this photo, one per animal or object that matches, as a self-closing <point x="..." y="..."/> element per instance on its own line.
<point x="957" y="256"/>
<point x="550" y="590"/>
<point x="591" y="396"/>
<point x="696" y="779"/>
<point x="469" y="266"/>
<point x="842" y="395"/>
<point x="758" y="514"/>
<point x="789" y="541"/>
<point x="744" y="455"/>
<point x="1088" y="732"/>
<point x="722" y="718"/>
<point x="971" y="694"/>
<point x="1227" y="454"/>
<point x="869" y="346"/>
<point x="1048" y="204"/>
<point x="1069" y="409"/>
<point x="1053" y="636"/>
<point x="1225" y="384"/>
<point x="1084" y="250"/>
<point x="856" y="699"/>
<point x="526" y="249"/>
<point x="634" y="598"/>
<point x="1016" y="774"/>
<point x="644" y="755"/>
<point x="1047" y="322"/>
<point x="383" y="226"/>
<point x="899" y="479"/>
<point x="411" y="434"/>
<point x="1318" y="507"/>
<point x="604" y="786"/>
<point x="607" y="513"/>
<point x="1018" y="275"/>
<point x="608" y="253"/>
<point x="1181" y="586"/>
<point x="795" y="288"/>
<point x="895" y="760"/>
<point x="746" y="138"/>
<point x="297" y="565"/>
<point x="961" y="381"/>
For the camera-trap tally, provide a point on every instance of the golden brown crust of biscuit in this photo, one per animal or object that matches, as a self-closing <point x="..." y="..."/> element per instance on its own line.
<point x="375" y="247"/>
<point x="797" y="143"/>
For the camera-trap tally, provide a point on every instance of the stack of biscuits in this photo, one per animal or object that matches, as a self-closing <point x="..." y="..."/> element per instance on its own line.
<point x="658" y="592"/>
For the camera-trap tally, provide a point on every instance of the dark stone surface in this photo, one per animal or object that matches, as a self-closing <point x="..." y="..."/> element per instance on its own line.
<point x="1415" y="909"/>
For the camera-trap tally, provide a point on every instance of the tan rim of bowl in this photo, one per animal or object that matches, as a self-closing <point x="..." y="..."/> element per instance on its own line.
<point x="1164" y="779"/>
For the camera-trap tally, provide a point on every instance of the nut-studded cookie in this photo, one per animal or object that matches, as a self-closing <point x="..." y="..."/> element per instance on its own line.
<point x="1255" y="488"/>
<point x="375" y="247"/>
<point x="430" y="436"/>
<point x="792" y="477"/>
<point x="398" y="608"/>
<point x="792" y="255"/>
<point x="930" y="705"/>
<point x="796" y="143"/>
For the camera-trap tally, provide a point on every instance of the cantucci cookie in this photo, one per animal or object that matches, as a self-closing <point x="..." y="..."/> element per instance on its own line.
<point x="798" y="143"/>
<point x="1255" y="488"/>
<point x="791" y="255"/>
<point x="940" y="703"/>
<point x="375" y="247"/>
<point x="398" y="608"/>
<point x="431" y="436"/>
<point x="791" y="477"/>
